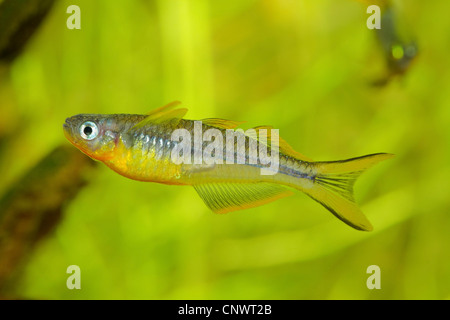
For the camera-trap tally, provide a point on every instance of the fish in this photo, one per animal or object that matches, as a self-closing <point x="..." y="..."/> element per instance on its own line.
<point x="399" y="53"/>
<point x="141" y="147"/>
<point x="399" y="49"/>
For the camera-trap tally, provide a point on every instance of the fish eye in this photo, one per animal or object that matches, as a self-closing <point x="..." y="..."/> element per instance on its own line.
<point x="89" y="130"/>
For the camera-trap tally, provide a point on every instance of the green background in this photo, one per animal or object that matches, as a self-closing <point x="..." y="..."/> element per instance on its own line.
<point x="304" y="67"/>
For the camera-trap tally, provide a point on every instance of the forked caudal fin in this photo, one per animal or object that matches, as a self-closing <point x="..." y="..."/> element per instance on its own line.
<point x="333" y="187"/>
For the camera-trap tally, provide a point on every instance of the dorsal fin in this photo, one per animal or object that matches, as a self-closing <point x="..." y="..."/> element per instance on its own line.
<point x="284" y="147"/>
<point x="167" y="107"/>
<point x="222" y="123"/>
<point x="163" y="114"/>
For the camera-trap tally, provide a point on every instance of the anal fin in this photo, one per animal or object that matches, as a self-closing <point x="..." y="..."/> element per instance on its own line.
<point x="227" y="197"/>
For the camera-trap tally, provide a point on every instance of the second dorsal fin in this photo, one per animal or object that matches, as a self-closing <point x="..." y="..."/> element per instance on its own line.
<point x="284" y="147"/>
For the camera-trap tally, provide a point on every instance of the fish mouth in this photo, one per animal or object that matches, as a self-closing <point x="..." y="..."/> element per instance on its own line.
<point x="66" y="125"/>
<point x="67" y="128"/>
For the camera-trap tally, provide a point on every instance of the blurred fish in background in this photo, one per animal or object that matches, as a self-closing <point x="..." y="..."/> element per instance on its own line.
<point x="399" y="53"/>
<point x="398" y="50"/>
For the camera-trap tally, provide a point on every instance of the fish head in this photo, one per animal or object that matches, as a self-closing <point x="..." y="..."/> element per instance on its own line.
<point x="95" y="135"/>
